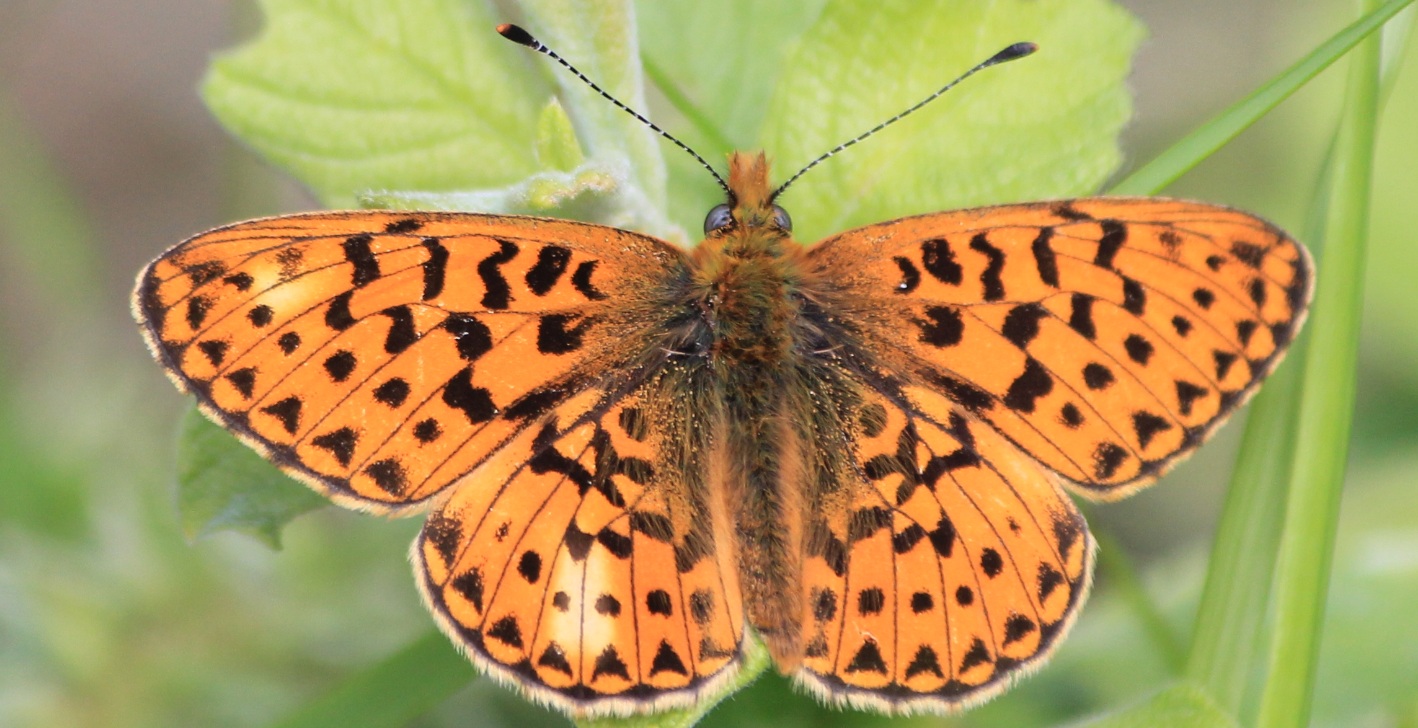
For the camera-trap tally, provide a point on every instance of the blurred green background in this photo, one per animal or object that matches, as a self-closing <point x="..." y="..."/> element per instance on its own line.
<point x="109" y="616"/>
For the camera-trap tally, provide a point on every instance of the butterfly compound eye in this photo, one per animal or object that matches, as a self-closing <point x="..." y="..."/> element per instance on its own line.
<point x="781" y="219"/>
<point x="719" y="217"/>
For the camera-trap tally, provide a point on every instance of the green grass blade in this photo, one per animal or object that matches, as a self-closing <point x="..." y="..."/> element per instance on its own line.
<point x="1182" y="156"/>
<point x="1231" y="617"/>
<point x="404" y="686"/>
<point x="1325" y="411"/>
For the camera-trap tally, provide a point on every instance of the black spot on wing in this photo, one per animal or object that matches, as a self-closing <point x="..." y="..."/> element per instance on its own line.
<point x="287" y="411"/>
<point x="359" y="254"/>
<point x="942" y="326"/>
<point x="824" y="604"/>
<point x="1021" y="324"/>
<point x="507" y="631"/>
<point x="910" y="275"/>
<point x="1134" y="297"/>
<point x="260" y="316"/>
<point x="551" y="264"/>
<point x="204" y="272"/>
<point x="925" y="660"/>
<point x="392" y="392"/>
<point x="197" y="308"/>
<point x="1081" y="316"/>
<point x="471" y="337"/>
<point x="338" y="316"/>
<point x="389" y="475"/>
<point x="559" y="333"/>
<point x="497" y="295"/>
<point x="402" y="333"/>
<point x="1097" y="376"/>
<point x="1256" y="289"/>
<point x="241" y="281"/>
<point x="435" y="269"/>
<point x="215" y="351"/>
<point x="340" y="365"/>
<point x="961" y="392"/>
<point x="991" y="562"/>
<point x="470" y="583"/>
<point x="667" y="660"/>
<point x="939" y="261"/>
<point x="1049" y="580"/>
<point x="554" y="658"/>
<point x="1147" y="425"/>
<point x="870" y="601"/>
<point x="529" y="566"/>
<point x="1107" y="458"/>
<point x="1065" y="210"/>
<point x="426" y="431"/>
<point x="1224" y="360"/>
<point x="340" y="443"/>
<point x="402" y="226"/>
<point x="474" y="402"/>
<point x="977" y="655"/>
<point x="658" y="602"/>
<point x="1044" y="259"/>
<point x="990" y="278"/>
<point x="1187" y="395"/>
<point x="1245" y="329"/>
<point x="581" y="281"/>
<point x="1029" y="386"/>
<point x="1017" y="627"/>
<point x="1114" y="235"/>
<point x="1138" y="348"/>
<point x="244" y="380"/>
<point x="867" y="659"/>
<point x="1249" y="253"/>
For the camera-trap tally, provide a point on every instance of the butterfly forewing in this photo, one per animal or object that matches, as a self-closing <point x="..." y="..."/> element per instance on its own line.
<point x="380" y="356"/>
<point x="1104" y="337"/>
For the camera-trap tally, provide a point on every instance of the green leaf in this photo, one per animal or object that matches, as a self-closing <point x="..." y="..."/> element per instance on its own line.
<point x="724" y="93"/>
<point x="358" y="95"/>
<point x="222" y="485"/>
<point x="1044" y="126"/>
<point x="1326" y="408"/>
<point x="557" y="148"/>
<point x="1181" y="705"/>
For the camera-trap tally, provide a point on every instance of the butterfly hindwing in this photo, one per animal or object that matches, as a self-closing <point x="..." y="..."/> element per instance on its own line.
<point x="379" y="356"/>
<point x="1105" y="337"/>
<point x="942" y="561"/>
<point x="590" y="574"/>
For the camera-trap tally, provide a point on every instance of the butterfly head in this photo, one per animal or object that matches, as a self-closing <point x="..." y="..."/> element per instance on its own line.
<point x="750" y="206"/>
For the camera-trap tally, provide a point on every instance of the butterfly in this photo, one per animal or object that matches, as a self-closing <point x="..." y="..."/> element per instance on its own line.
<point x="635" y="457"/>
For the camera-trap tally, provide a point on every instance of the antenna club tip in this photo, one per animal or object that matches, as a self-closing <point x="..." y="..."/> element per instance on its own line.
<point x="1018" y="50"/>
<point x="515" y="34"/>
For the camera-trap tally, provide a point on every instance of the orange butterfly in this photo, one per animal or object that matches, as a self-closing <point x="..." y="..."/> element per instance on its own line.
<point x="634" y="454"/>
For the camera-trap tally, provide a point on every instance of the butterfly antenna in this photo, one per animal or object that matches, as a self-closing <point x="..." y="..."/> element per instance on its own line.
<point x="517" y="35"/>
<point x="1018" y="50"/>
